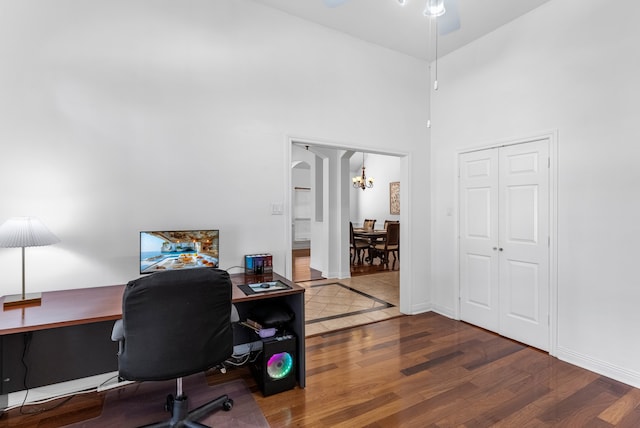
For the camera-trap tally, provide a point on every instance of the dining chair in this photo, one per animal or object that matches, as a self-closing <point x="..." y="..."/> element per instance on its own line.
<point x="357" y="246"/>
<point x="369" y="224"/>
<point x="386" y="223"/>
<point x="389" y="245"/>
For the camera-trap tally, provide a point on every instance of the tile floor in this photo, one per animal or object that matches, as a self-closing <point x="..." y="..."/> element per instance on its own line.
<point x="332" y="304"/>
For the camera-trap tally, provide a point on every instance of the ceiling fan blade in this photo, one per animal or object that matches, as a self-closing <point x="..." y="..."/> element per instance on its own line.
<point x="450" y="21"/>
<point x="334" y="3"/>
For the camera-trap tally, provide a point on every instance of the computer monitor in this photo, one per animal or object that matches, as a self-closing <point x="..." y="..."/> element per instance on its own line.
<point x="178" y="249"/>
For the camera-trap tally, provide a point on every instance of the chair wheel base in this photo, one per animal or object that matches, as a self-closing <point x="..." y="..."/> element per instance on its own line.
<point x="227" y="405"/>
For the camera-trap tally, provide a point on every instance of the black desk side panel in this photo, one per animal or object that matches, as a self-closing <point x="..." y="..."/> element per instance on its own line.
<point x="56" y="355"/>
<point x="295" y="302"/>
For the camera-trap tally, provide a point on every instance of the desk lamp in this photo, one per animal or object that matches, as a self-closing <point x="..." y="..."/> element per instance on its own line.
<point x="24" y="232"/>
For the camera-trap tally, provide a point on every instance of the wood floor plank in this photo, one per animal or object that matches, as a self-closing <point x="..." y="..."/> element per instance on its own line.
<point x="586" y="414"/>
<point x="493" y="351"/>
<point x="630" y="419"/>
<point x="347" y="415"/>
<point x="626" y="404"/>
<point x="601" y="392"/>
<point x="507" y="407"/>
<point x="501" y="378"/>
<point x="431" y="364"/>
<point x="525" y="417"/>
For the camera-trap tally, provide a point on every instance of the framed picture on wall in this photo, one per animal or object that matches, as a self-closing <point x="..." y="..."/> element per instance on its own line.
<point x="394" y="197"/>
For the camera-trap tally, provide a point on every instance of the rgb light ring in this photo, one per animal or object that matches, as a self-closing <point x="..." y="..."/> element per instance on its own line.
<point x="279" y="365"/>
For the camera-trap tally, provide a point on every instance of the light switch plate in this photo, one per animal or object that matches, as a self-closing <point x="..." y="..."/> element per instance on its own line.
<point x="277" y="209"/>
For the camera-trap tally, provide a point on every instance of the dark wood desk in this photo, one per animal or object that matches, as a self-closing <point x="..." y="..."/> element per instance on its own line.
<point x="65" y="308"/>
<point x="69" y="335"/>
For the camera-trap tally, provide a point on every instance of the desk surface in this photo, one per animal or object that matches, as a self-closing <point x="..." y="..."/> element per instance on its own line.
<point x="85" y="305"/>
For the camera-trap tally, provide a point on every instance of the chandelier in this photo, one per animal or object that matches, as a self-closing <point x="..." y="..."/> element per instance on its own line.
<point x="361" y="181"/>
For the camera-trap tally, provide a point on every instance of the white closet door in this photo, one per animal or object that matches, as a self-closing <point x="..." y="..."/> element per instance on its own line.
<point x="504" y="241"/>
<point x="479" y="269"/>
<point x="524" y="240"/>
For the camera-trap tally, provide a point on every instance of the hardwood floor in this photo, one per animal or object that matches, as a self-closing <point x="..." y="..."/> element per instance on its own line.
<point x="303" y="272"/>
<point x="419" y="371"/>
<point x="430" y="371"/>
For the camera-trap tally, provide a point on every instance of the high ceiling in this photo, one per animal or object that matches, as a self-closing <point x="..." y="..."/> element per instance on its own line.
<point x="405" y="28"/>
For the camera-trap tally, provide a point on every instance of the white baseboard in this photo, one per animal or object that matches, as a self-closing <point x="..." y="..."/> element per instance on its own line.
<point x="61" y="389"/>
<point x="419" y="309"/>
<point x="117" y="384"/>
<point x="603" y="368"/>
<point x="445" y="312"/>
<point x="422" y="308"/>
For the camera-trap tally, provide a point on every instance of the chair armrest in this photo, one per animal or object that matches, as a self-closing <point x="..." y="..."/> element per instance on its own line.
<point x="235" y="317"/>
<point x="117" y="334"/>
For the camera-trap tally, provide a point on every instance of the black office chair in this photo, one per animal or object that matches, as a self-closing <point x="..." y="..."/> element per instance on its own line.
<point x="174" y="324"/>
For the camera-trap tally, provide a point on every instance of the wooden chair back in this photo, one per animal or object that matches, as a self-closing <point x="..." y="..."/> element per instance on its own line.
<point x="369" y="224"/>
<point x="386" y="222"/>
<point x="393" y="234"/>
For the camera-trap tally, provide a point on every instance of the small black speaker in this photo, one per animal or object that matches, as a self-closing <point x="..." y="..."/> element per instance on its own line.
<point x="275" y="369"/>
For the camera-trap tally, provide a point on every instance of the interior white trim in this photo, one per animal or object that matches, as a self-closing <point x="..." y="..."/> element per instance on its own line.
<point x="595" y="365"/>
<point x="406" y="241"/>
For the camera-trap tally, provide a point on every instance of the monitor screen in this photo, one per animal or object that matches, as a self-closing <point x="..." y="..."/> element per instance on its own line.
<point x="178" y="249"/>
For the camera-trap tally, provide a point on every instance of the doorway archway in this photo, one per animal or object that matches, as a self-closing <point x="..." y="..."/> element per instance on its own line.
<point x="331" y="180"/>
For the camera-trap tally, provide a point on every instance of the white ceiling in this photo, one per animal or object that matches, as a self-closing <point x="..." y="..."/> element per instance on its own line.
<point x="405" y="28"/>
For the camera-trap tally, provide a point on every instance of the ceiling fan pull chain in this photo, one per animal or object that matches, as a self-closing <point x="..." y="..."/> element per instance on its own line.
<point x="429" y="68"/>
<point x="435" y="82"/>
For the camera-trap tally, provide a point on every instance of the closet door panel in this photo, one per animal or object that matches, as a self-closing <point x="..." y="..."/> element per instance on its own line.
<point x="479" y="293"/>
<point x="524" y="239"/>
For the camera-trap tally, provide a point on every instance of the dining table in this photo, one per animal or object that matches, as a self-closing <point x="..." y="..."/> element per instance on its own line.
<point x="372" y="235"/>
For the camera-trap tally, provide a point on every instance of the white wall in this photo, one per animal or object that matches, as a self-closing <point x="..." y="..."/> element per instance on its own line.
<point x="124" y="116"/>
<point x="374" y="202"/>
<point x="570" y="66"/>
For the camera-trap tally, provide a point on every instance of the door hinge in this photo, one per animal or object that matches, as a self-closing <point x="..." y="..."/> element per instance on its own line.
<point x="549" y="162"/>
